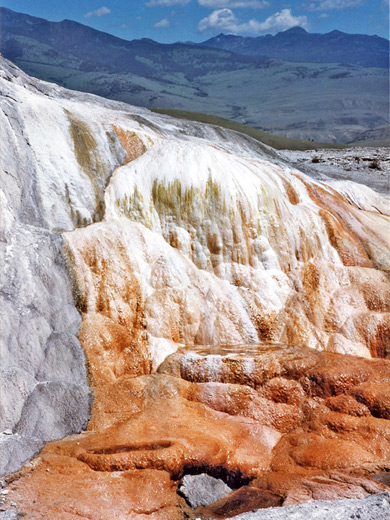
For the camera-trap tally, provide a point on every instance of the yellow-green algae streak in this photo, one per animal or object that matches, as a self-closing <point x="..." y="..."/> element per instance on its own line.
<point x="224" y="232"/>
<point x="88" y="156"/>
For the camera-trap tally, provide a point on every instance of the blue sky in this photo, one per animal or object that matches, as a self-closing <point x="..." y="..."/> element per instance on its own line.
<point x="198" y="20"/>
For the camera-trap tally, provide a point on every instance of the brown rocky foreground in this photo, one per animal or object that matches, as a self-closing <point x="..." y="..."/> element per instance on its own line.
<point x="281" y="425"/>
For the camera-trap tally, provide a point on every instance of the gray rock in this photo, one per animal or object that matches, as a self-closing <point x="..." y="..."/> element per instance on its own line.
<point x="16" y="450"/>
<point x="40" y="351"/>
<point x="203" y="490"/>
<point x="374" y="507"/>
<point x="9" y="515"/>
<point x="70" y="403"/>
<point x="43" y="378"/>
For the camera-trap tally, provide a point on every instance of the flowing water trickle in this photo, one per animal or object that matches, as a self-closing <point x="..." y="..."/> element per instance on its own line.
<point x="208" y="319"/>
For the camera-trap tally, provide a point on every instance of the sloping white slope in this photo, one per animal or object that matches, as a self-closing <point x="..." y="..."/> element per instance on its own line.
<point x="175" y="233"/>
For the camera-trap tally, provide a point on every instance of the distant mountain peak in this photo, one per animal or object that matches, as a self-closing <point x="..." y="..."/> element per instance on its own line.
<point x="295" y="30"/>
<point x="223" y="36"/>
<point x="298" y="45"/>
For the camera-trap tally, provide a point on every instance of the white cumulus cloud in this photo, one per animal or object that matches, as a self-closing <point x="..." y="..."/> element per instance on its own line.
<point x="166" y="3"/>
<point x="102" y="11"/>
<point x="329" y="5"/>
<point x="162" y="23"/>
<point x="226" y="20"/>
<point x="223" y="19"/>
<point x="283" y="20"/>
<point x="234" y="4"/>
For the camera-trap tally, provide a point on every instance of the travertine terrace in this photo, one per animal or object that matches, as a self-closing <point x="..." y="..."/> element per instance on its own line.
<point x="190" y="303"/>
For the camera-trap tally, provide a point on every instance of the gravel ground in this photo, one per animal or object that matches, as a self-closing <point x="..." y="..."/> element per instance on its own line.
<point x="369" y="166"/>
<point x="374" y="507"/>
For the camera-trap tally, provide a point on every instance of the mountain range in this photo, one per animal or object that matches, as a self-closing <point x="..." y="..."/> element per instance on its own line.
<point x="297" y="44"/>
<point x="250" y="80"/>
<point x="101" y="51"/>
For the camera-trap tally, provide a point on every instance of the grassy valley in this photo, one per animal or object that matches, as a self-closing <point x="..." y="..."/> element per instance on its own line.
<point x="276" y="141"/>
